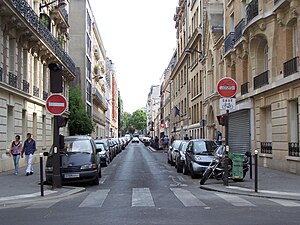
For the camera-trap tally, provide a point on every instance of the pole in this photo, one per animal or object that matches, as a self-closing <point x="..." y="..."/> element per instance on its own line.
<point x="250" y="162"/>
<point x="56" y="183"/>
<point x="41" y="174"/>
<point x="256" y="170"/>
<point x="225" y="179"/>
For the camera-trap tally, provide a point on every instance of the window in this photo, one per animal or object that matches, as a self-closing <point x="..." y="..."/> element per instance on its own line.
<point x="12" y="52"/>
<point x="88" y="91"/>
<point x="88" y="68"/>
<point x="88" y="45"/>
<point x="266" y="58"/>
<point x="88" y="23"/>
<point x="293" y="121"/>
<point x="295" y="40"/>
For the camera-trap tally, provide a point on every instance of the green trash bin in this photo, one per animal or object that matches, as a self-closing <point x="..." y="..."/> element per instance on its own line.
<point x="237" y="166"/>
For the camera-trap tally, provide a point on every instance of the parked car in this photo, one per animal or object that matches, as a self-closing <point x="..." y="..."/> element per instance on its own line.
<point x="79" y="161"/>
<point x="110" y="146"/>
<point x="103" y="153"/>
<point x="118" y="145"/>
<point x="180" y="156"/>
<point x="135" y="140"/>
<point x="172" y="151"/>
<point x="198" y="156"/>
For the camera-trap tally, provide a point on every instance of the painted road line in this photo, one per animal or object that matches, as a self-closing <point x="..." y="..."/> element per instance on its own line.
<point x="95" y="199"/>
<point x="234" y="200"/>
<point x="103" y="179"/>
<point x="286" y="202"/>
<point x="142" y="197"/>
<point x="187" y="198"/>
<point x="44" y="204"/>
<point x="37" y="194"/>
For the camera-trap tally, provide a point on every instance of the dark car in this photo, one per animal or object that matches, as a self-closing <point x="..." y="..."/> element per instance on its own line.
<point x="79" y="161"/>
<point x="103" y="153"/>
<point x="172" y="151"/>
<point x="110" y="146"/>
<point x="199" y="154"/>
<point x="180" y="156"/>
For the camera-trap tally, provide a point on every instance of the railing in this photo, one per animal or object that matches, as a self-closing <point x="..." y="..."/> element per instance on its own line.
<point x="64" y="14"/>
<point x="100" y="98"/>
<point x="261" y="80"/>
<point x="244" y="88"/>
<point x="229" y="42"/>
<point x="33" y="19"/>
<point x="238" y="30"/>
<point x="252" y="10"/>
<point x="45" y="95"/>
<point x="290" y="67"/>
<point x="294" y="149"/>
<point x="275" y="1"/>
<point x="25" y="87"/>
<point x="13" y="80"/>
<point x="266" y="147"/>
<point x="36" y="91"/>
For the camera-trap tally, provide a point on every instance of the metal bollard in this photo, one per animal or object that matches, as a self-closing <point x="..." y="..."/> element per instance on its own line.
<point x="41" y="174"/>
<point x="256" y="170"/>
<point x="225" y="178"/>
<point x="250" y="164"/>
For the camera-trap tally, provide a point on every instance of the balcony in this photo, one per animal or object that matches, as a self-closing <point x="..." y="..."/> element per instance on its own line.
<point x="244" y="88"/>
<point x="13" y="80"/>
<point x="276" y="1"/>
<point x="45" y="95"/>
<point x="97" y="96"/>
<point x="252" y="10"/>
<point x="290" y="67"/>
<point x="33" y="20"/>
<point x="25" y="87"/>
<point x="229" y="42"/>
<point x="1" y="78"/>
<point x="266" y="147"/>
<point x="238" y="30"/>
<point x="261" y="80"/>
<point x="294" y="149"/>
<point x="36" y="91"/>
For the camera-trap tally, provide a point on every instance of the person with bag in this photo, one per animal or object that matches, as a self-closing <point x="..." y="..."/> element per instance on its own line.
<point x="29" y="148"/>
<point x="15" y="151"/>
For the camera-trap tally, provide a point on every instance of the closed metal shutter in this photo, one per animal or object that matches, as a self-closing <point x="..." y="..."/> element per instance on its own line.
<point x="239" y="131"/>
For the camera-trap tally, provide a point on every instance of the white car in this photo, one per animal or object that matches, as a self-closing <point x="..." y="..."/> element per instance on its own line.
<point x="135" y="140"/>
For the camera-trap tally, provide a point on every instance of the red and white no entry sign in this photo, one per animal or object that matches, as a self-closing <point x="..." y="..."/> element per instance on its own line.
<point x="227" y="87"/>
<point x="56" y="104"/>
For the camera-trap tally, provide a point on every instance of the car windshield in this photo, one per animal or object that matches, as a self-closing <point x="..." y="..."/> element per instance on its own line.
<point x="77" y="145"/>
<point x="100" y="145"/>
<point x="204" y="147"/>
<point x="183" y="146"/>
<point x="176" y="144"/>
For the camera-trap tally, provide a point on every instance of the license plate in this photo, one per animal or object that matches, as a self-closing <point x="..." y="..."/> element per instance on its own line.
<point x="71" y="175"/>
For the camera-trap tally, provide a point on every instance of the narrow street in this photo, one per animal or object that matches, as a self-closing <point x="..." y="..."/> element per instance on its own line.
<point x="139" y="187"/>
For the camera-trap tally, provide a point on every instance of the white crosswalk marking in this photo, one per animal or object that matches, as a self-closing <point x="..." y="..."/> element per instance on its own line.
<point x="44" y="204"/>
<point x="95" y="199"/>
<point x="235" y="200"/>
<point x="186" y="197"/>
<point x="287" y="203"/>
<point x="142" y="197"/>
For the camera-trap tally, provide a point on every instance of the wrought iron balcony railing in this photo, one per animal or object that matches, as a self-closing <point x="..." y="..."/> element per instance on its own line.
<point x="244" y="88"/>
<point x="98" y="96"/>
<point x="261" y="79"/>
<point x="275" y="1"/>
<point x="25" y="87"/>
<point x="45" y="95"/>
<point x="1" y="77"/>
<point x="36" y="91"/>
<point x="252" y="10"/>
<point x="13" y="80"/>
<point x="32" y="18"/>
<point x="266" y="147"/>
<point x="238" y="30"/>
<point x="294" y="149"/>
<point x="229" y="42"/>
<point x="290" y="67"/>
<point x="64" y="13"/>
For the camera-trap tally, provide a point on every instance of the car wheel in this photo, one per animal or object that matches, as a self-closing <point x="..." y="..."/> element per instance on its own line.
<point x="193" y="175"/>
<point x="179" y="168"/>
<point x="96" y="180"/>
<point x="185" y="170"/>
<point x="100" y="173"/>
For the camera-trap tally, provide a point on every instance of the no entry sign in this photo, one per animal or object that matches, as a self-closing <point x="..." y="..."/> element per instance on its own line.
<point x="56" y="104"/>
<point x="227" y="87"/>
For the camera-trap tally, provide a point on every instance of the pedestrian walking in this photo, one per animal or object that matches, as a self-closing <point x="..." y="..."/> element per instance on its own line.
<point x="186" y="137"/>
<point x="15" y="150"/>
<point x="29" y="148"/>
<point x="166" y="141"/>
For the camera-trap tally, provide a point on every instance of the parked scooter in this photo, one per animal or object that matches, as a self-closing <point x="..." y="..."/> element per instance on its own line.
<point x="216" y="167"/>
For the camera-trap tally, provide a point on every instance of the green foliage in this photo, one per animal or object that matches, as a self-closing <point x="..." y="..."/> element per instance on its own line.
<point x="80" y="122"/>
<point x="138" y="120"/>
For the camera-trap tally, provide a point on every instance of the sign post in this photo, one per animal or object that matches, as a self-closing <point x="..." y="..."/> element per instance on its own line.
<point x="56" y="104"/>
<point x="227" y="88"/>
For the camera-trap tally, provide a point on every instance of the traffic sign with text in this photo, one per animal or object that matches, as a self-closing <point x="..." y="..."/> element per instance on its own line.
<point x="56" y="104"/>
<point x="227" y="87"/>
<point x="227" y="103"/>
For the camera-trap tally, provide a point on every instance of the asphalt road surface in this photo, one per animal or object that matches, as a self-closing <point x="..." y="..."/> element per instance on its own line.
<point x="139" y="187"/>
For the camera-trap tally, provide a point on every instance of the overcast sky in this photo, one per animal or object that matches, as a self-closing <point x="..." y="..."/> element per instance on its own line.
<point x="139" y="37"/>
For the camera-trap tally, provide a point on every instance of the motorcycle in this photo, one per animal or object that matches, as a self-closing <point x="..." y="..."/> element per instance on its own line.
<point x="217" y="169"/>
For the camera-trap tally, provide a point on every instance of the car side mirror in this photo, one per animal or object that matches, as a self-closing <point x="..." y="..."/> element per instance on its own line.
<point x="98" y="150"/>
<point x="46" y="153"/>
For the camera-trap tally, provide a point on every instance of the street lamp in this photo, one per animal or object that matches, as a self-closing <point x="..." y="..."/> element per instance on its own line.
<point x="61" y="4"/>
<point x="190" y="50"/>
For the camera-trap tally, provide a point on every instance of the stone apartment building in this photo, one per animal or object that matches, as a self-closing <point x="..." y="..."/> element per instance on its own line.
<point x="33" y="34"/>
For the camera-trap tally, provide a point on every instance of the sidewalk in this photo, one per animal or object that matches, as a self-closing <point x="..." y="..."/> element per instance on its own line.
<point x="21" y="189"/>
<point x="271" y="184"/>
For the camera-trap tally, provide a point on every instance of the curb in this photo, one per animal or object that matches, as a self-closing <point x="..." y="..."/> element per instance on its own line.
<point x="250" y="193"/>
<point x="72" y="191"/>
